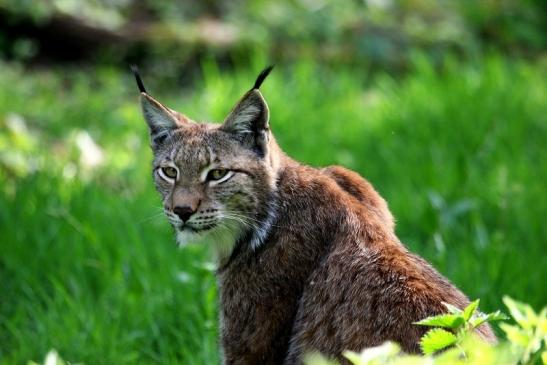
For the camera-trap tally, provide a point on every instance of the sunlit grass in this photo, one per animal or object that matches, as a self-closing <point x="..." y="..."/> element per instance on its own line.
<point x="88" y="264"/>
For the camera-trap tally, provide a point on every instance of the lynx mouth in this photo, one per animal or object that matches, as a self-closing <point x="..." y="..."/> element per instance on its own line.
<point x="186" y="234"/>
<point x="189" y="229"/>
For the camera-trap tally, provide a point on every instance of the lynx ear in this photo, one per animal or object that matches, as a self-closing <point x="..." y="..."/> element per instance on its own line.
<point x="161" y="120"/>
<point x="248" y="121"/>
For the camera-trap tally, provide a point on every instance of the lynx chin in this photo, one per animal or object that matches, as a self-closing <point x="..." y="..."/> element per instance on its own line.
<point x="308" y="259"/>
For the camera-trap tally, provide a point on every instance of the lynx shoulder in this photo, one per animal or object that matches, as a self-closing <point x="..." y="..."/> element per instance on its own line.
<point x="308" y="258"/>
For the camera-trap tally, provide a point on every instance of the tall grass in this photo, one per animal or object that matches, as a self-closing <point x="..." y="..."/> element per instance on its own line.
<point x="88" y="265"/>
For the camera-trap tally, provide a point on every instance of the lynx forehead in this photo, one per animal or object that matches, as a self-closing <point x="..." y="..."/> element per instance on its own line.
<point x="308" y="258"/>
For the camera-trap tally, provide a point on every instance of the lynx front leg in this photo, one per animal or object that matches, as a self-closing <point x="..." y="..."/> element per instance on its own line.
<point x="327" y="320"/>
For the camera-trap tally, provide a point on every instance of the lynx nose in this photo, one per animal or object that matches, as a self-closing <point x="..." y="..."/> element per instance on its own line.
<point x="184" y="212"/>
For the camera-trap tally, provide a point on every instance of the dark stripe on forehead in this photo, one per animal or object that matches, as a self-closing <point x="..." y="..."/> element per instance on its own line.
<point x="176" y="146"/>
<point x="193" y="153"/>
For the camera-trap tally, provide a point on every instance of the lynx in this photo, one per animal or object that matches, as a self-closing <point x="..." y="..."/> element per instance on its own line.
<point x="308" y="260"/>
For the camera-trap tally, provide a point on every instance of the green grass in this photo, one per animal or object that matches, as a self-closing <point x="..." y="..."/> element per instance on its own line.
<point x="88" y="265"/>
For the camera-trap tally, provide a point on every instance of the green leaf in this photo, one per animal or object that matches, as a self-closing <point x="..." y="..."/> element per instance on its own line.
<point x="452" y="308"/>
<point x="497" y="316"/>
<point x="522" y="313"/>
<point x="479" y="318"/>
<point x="353" y="357"/>
<point x="443" y="320"/>
<point x="470" y="309"/>
<point x="436" y="339"/>
<point x="516" y="335"/>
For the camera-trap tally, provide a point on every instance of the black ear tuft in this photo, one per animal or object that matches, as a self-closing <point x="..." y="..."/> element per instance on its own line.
<point x="135" y="71"/>
<point x="262" y="76"/>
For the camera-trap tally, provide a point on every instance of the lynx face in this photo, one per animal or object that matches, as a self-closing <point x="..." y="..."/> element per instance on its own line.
<point x="214" y="179"/>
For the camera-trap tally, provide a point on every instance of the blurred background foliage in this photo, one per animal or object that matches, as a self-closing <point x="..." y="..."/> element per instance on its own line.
<point x="382" y="33"/>
<point x="442" y="105"/>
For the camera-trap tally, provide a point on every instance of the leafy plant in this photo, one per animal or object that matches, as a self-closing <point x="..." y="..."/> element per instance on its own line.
<point x="452" y="341"/>
<point x="459" y="322"/>
<point x="528" y="337"/>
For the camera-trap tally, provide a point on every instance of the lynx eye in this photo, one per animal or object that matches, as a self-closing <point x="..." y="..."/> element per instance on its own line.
<point x="216" y="174"/>
<point x="169" y="172"/>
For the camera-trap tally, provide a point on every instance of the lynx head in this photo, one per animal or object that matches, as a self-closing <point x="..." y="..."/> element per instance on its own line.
<point x="215" y="179"/>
